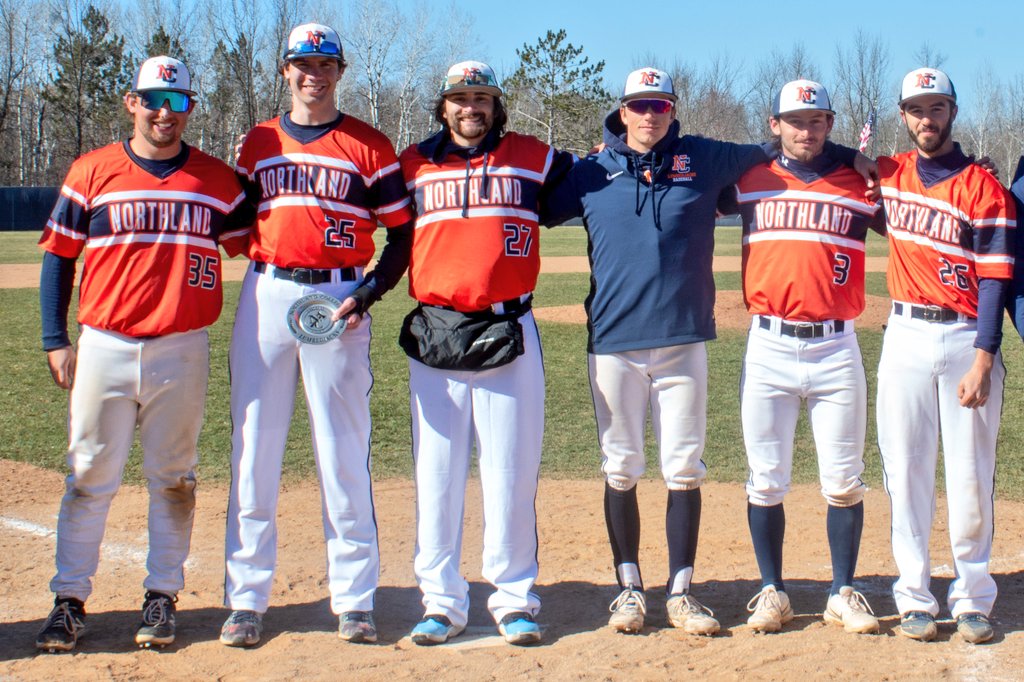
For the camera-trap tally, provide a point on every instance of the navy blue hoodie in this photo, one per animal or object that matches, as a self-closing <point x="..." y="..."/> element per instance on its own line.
<point x="650" y="241"/>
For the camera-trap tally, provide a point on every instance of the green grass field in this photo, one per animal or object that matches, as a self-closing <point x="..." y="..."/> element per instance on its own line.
<point x="33" y="410"/>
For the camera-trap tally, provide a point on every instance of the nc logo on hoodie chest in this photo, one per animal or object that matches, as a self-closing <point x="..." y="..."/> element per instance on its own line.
<point x="681" y="171"/>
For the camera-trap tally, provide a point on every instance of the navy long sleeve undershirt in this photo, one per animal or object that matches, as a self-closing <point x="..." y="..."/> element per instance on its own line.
<point x="56" y="283"/>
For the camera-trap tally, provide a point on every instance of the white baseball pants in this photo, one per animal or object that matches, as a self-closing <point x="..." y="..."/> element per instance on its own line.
<point x="779" y="372"/>
<point x="673" y="381"/>
<point x="158" y="384"/>
<point x="501" y="411"/>
<point x="266" y="362"/>
<point x="918" y="374"/>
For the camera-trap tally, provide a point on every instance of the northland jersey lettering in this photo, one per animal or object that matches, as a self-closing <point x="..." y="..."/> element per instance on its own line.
<point x="803" y="215"/>
<point x="159" y="216"/>
<point x="442" y="194"/>
<point x="301" y="178"/>
<point x="924" y="220"/>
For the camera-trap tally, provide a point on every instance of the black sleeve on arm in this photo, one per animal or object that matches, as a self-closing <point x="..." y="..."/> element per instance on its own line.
<point x="991" y="296"/>
<point x="557" y="200"/>
<point x="839" y="153"/>
<point x="394" y="259"/>
<point x="727" y="201"/>
<point x="56" y="282"/>
<point x="771" y="150"/>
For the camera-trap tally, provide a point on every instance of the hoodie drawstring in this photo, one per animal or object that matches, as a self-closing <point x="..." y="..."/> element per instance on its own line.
<point x="465" y="187"/>
<point x="649" y="172"/>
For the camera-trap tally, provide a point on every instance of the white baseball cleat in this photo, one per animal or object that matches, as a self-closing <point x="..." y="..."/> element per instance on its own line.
<point x="770" y="610"/>
<point x="689" y="614"/>
<point x="628" y="611"/>
<point x="850" y="609"/>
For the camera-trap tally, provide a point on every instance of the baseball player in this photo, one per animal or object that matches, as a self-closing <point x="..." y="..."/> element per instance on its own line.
<point x="648" y="201"/>
<point x="148" y="213"/>
<point x="951" y="235"/>
<point x="476" y="257"/>
<point x="1015" y="299"/>
<point x="805" y="219"/>
<point x="321" y="181"/>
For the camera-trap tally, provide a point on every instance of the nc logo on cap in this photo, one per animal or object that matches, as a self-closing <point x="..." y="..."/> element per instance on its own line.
<point x="649" y="78"/>
<point x="806" y="95"/>
<point x="925" y="80"/>
<point x="314" y="38"/>
<point x="168" y="73"/>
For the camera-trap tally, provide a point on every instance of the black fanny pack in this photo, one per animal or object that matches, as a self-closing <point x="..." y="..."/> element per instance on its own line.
<point x="447" y="339"/>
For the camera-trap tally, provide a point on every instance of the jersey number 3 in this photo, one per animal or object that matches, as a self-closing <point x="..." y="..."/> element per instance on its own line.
<point x="841" y="268"/>
<point x="518" y="239"/>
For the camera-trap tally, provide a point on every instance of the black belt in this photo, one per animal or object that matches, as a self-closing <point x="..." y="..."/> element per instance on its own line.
<point x="513" y="306"/>
<point x="804" y="330"/>
<point x="928" y="313"/>
<point x="306" y="275"/>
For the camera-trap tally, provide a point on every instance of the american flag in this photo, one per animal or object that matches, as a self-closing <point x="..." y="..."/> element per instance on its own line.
<point x="865" y="132"/>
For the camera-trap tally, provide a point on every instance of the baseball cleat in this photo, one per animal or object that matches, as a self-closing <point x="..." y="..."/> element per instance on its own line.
<point x="690" y="615"/>
<point x="242" y="628"/>
<point x="434" y="629"/>
<point x="850" y="609"/>
<point x="357" y="627"/>
<point x="628" y="611"/>
<point x="63" y="627"/>
<point x="519" y="628"/>
<point x="974" y="627"/>
<point x="770" y="610"/>
<point x="919" y="625"/>
<point x="158" y="626"/>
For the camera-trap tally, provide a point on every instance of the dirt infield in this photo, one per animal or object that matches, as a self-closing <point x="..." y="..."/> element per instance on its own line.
<point x="576" y="585"/>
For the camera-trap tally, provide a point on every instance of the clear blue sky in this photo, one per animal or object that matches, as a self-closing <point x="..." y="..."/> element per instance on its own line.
<point x="973" y="34"/>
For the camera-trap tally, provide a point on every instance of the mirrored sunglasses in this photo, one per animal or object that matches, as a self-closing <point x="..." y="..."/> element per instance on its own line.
<point x="640" y="106"/>
<point x="473" y="78"/>
<point x="178" y="102"/>
<point x="309" y="47"/>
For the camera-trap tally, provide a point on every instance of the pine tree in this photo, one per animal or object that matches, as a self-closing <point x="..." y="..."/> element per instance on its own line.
<point x="91" y="75"/>
<point x="557" y="94"/>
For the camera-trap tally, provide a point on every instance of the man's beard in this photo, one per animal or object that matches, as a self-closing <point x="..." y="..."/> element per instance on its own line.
<point x="936" y="143"/>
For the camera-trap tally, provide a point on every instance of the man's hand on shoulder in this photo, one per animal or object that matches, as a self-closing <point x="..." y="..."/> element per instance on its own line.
<point x="62" y="366"/>
<point x="989" y="165"/>
<point x="868" y="169"/>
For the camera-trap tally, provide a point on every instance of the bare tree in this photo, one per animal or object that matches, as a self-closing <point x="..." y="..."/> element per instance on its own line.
<point x="929" y="55"/>
<point x="864" y="82"/>
<point x="371" y="32"/>
<point x="770" y="74"/>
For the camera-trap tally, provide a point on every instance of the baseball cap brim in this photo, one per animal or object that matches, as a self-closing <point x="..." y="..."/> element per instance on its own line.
<point x="926" y="94"/>
<point x="193" y="93"/>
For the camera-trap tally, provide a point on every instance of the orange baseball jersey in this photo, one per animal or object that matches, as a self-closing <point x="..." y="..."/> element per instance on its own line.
<point x="318" y="203"/>
<point x="803" y="243"/>
<point x="945" y="235"/>
<point x="472" y="247"/>
<point x="151" y="261"/>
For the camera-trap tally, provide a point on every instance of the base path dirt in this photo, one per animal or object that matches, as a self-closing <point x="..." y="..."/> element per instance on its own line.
<point x="576" y="585"/>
